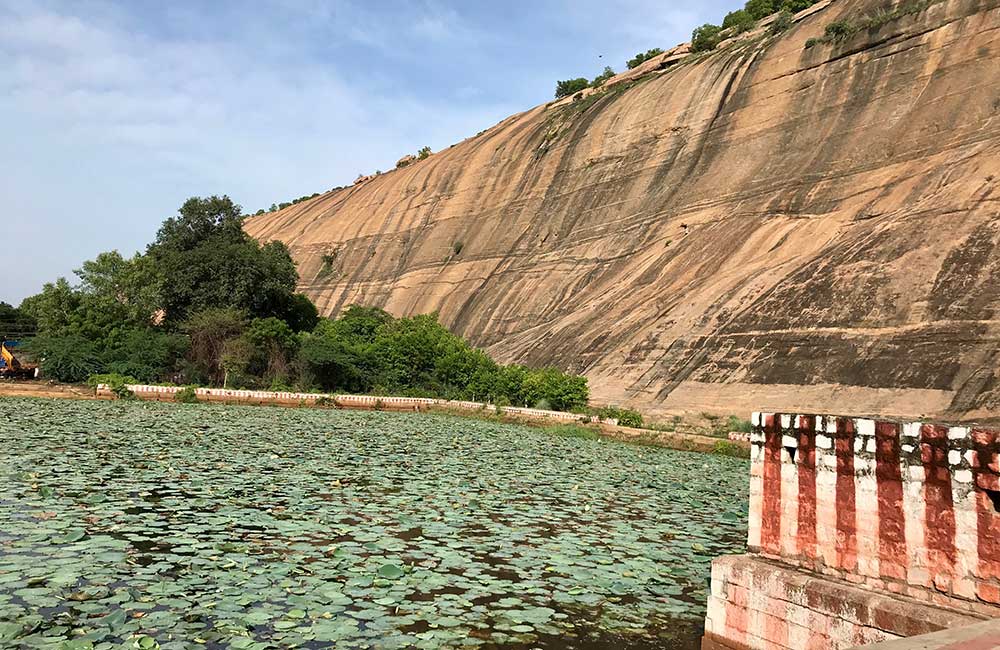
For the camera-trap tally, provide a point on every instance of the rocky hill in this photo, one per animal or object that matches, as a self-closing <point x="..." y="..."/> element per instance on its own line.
<point x="766" y="226"/>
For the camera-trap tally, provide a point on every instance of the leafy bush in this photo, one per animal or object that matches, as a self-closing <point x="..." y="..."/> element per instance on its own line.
<point x="186" y="395"/>
<point x="570" y="87"/>
<point x="729" y="448"/>
<point x="117" y="384"/>
<point x="625" y="417"/>
<point x="71" y="358"/>
<point x="795" y="6"/>
<point x="110" y="379"/>
<point x="781" y="24"/>
<point x="572" y="431"/>
<point x="705" y="38"/>
<point x="604" y="76"/>
<point x="423" y="153"/>
<point x="642" y="57"/>
<point x="738" y="21"/>
<point x="813" y="42"/>
<point x="457" y="247"/>
<point x="739" y="424"/>
<point x="839" y="30"/>
<point x="758" y="9"/>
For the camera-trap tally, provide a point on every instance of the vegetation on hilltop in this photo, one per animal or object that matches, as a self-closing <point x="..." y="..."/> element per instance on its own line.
<point x="708" y="36"/>
<point x="207" y="304"/>
<point x="703" y="39"/>
<point x="642" y="57"/>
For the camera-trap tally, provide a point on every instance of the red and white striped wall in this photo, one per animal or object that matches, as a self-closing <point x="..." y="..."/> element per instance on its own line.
<point x="909" y="508"/>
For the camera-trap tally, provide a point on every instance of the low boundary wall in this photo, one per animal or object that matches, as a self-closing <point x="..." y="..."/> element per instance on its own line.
<point x="365" y="402"/>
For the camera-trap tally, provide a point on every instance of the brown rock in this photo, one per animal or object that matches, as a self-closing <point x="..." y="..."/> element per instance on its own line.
<point x="841" y="253"/>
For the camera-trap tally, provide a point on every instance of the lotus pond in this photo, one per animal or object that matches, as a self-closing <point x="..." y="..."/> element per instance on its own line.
<point x="145" y="525"/>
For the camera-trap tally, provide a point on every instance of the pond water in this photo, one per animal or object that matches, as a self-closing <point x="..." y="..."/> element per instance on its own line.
<point x="145" y="525"/>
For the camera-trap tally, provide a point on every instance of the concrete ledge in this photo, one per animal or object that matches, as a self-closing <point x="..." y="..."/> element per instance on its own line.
<point x="982" y="636"/>
<point x="759" y="604"/>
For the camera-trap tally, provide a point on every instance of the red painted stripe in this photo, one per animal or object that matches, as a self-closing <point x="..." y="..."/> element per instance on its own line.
<point x="940" y="511"/>
<point x="770" y="525"/>
<point x="806" y="431"/>
<point x="847" y="520"/>
<point x="891" y="519"/>
<point x="984" y="472"/>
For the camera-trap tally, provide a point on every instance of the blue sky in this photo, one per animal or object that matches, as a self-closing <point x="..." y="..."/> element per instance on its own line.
<point x="111" y="114"/>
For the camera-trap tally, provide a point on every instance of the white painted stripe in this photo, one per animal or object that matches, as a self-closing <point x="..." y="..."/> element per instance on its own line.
<point x="826" y="505"/>
<point x="866" y="511"/>
<point x="965" y="499"/>
<point x="914" y="513"/>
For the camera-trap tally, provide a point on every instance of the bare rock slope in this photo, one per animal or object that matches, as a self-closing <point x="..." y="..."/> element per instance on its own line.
<point x="769" y="226"/>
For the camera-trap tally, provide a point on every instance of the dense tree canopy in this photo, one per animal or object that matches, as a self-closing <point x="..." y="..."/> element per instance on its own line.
<point x="207" y="304"/>
<point x="14" y="322"/>
<point x="569" y="87"/>
<point x="207" y="260"/>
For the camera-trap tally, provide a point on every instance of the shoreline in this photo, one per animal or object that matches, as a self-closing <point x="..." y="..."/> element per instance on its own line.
<point x="525" y="416"/>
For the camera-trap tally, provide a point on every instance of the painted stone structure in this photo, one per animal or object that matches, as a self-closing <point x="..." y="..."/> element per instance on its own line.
<point x="861" y="531"/>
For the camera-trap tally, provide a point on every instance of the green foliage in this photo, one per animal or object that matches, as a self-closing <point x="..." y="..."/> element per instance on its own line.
<point x="572" y="431"/>
<point x="423" y="153"/>
<point x="843" y="29"/>
<point x="625" y="417"/>
<point x="839" y="30"/>
<point x="301" y="313"/>
<point x="208" y="261"/>
<point x="604" y="76"/>
<point x="758" y="9"/>
<point x="116" y="383"/>
<point x="742" y="425"/>
<point x="15" y="322"/>
<point x="69" y="358"/>
<point x="209" y="330"/>
<point x="570" y="87"/>
<point x="366" y="350"/>
<point x="795" y="6"/>
<point x="705" y="38"/>
<point x="729" y="448"/>
<point x="781" y="23"/>
<point x="186" y="395"/>
<point x="739" y="21"/>
<point x="111" y="379"/>
<point x="642" y="57"/>
<point x="457" y="247"/>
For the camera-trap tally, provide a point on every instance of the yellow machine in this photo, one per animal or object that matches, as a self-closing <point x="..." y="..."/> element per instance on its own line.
<point x="10" y="367"/>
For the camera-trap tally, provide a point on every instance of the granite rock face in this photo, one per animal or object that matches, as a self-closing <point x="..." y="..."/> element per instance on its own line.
<point x="766" y="227"/>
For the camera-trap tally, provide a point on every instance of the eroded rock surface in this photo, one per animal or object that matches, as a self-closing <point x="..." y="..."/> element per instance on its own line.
<point x="766" y="227"/>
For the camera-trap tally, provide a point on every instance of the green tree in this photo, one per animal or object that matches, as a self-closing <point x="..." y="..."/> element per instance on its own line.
<point x="761" y="8"/>
<point x="604" y="76"/>
<point x="705" y="38"/>
<point x="739" y="21"/>
<point x="15" y="323"/>
<point x="69" y="358"/>
<point x="207" y="261"/>
<point x="423" y="153"/>
<point x="570" y="87"/>
<point x="148" y="354"/>
<point x="642" y="57"/>
<point x="209" y="330"/>
<point x="301" y="313"/>
<point x="795" y="6"/>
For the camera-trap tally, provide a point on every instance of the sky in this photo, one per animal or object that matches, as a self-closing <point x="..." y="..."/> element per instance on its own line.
<point x="112" y="114"/>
